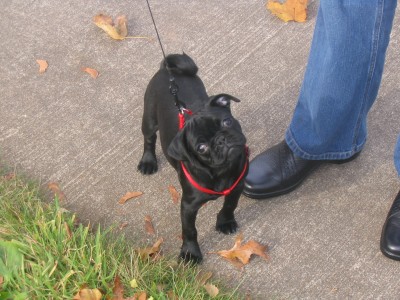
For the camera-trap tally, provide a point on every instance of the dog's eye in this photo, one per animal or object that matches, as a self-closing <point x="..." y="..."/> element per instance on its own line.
<point x="202" y="148"/>
<point x="227" y="122"/>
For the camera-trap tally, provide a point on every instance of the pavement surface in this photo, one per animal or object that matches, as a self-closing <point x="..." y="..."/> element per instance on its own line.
<point x="84" y="133"/>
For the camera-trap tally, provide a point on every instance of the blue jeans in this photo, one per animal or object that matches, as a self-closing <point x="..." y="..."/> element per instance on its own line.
<point x="342" y="79"/>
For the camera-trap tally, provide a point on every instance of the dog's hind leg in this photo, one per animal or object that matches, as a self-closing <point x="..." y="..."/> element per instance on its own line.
<point x="148" y="163"/>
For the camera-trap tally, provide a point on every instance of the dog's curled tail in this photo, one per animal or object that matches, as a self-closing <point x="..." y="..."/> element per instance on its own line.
<point x="180" y="64"/>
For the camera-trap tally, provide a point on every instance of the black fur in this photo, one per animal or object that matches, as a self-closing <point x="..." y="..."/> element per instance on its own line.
<point x="211" y="145"/>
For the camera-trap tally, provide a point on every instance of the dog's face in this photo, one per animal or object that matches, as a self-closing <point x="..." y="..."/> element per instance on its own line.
<point x="212" y="138"/>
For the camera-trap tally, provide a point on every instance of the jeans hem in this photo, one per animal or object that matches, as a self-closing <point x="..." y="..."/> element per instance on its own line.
<point x="332" y="155"/>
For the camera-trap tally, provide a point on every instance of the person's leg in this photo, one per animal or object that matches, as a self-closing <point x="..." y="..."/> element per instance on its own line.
<point x="343" y="74"/>
<point x="390" y="238"/>
<point x="341" y="82"/>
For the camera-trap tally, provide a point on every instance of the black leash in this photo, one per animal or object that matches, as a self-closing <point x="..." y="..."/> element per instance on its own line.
<point x="173" y="87"/>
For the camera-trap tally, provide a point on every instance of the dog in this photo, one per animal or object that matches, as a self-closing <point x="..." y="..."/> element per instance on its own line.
<point x="209" y="152"/>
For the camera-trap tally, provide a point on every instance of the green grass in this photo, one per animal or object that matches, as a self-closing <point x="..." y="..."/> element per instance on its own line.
<point x="46" y="254"/>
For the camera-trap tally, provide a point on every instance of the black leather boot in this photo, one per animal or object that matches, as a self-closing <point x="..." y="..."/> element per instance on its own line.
<point x="278" y="171"/>
<point x="390" y="238"/>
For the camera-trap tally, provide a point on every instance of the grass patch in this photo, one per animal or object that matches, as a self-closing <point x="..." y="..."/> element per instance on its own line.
<point x="46" y="254"/>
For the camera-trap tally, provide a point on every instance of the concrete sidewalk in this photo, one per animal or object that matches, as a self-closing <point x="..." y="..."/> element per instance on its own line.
<point x="84" y="133"/>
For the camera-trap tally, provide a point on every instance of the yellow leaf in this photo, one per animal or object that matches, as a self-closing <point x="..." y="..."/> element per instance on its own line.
<point x="133" y="283"/>
<point x="117" y="31"/>
<point x="291" y="10"/>
<point x="106" y="23"/>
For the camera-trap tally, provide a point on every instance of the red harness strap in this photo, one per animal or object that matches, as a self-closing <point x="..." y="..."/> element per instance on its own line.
<point x="211" y="192"/>
<point x="181" y="117"/>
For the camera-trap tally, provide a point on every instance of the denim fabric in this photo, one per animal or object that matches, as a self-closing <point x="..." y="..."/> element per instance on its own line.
<point x="342" y="78"/>
<point x="397" y="156"/>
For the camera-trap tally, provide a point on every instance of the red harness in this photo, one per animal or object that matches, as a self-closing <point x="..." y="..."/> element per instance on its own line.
<point x="181" y="117"/>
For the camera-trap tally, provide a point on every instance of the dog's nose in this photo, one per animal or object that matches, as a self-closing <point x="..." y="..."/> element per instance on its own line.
<point x="220" y="141"/>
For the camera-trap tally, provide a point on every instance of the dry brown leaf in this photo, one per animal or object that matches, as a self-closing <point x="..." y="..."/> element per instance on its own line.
<point x="148" y="225"/>
<point x="211" y="289"/>
<point x="123" y="225"/>
<point x="122" y="25"/>
<point x="129" y="196"/>
<point x="240" y="254"/>
<point x="150" y="252"/>
<point x="171" y="295"/>
<point x="140" y="296"/>
<point x="118" y="289"/>
<point x="55" y="188"/>
<point x="88" y="294"/>
<point x="203" y="277"/>
<point x="117" y="31"/>
<point x="8" y="176"/>
<point x="43" y="65"/>
<point x="174" y="194"/>
<point x="107" y="24"/>
<point x="92" y="72"/>
<point x="291" y="10"/>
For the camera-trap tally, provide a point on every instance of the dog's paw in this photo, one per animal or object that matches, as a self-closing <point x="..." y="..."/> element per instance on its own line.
<point x="227" y="227"/>
<point x="148" y="164"/>
<point x="191" y="254"/>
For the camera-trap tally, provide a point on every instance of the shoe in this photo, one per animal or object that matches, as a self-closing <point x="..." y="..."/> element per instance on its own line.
<point x="390" y="238"/>
<point x="278" y="171"/>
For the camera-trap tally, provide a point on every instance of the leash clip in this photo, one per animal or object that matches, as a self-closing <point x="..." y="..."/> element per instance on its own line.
<point x="173" y="87"/>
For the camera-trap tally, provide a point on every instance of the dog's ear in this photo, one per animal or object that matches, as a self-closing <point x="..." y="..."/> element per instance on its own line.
<point x="222" y="100"/>
<point x="177" y="149"/>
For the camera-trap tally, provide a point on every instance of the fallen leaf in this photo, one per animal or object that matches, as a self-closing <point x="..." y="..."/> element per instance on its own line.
<point x="129" y="196"/>
<point x="1" y="281"/>
<point x="122" y="26"/>
<point x="55" y="188"/>
<point x="88" y="294"/>
<point x="107" y="24"/>
<point x="171" y="295"/>
<point x="118" y="31"/>
<point x="43" y="65"/>
<point x="133" y="283"/>
<point x="8" y="176"/>
<point x="123" y="225"/>
<point x="148" y="225"/>
<point x="118" y="289"/>
<point x="240" y="254"/>
<point x="203" y="277"/>
<point x="291" y="10"/>
<point x="174" y="194"/>
<point x="211" y="289"/>
<point x="152" y="251"/>
<point x="92" y="72"/>
<point x="140" y="296"/>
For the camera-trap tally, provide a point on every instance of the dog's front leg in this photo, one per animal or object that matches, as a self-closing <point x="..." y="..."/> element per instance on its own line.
<point x="190" y="250"/>
<point x="226" y="222"/>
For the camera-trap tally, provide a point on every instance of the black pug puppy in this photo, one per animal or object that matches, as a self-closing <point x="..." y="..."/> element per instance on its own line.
<point x="209" y="153"/>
